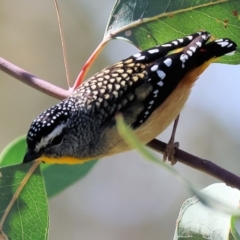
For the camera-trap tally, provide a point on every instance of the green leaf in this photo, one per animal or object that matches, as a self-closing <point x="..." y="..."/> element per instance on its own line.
<point x="147" y="23"/>
<point x="57" y="177"/>
<point x="28" y="218"/>
<point x="14" y="152"/>
<point x="234" y="232"/>
<point x="196" y="221"/>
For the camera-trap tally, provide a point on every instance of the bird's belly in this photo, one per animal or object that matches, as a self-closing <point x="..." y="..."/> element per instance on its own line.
<point x="157" y="122"/>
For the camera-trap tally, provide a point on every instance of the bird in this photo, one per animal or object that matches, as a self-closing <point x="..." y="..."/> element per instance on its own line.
<point x="149" y="89"/>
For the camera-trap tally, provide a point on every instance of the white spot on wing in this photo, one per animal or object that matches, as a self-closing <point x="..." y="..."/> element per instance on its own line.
<point x="141" y="58"/>
<point x="166" y="45"/>
<point x="137" y="55"/>
<point x="154" y="68"/>
<point x="230" y="53"/>
<point x="160" y="83"/>
<point x="161" y="74"/>
<point x="199" y="44"/>
<point x="183" y="58"/>
<point x="219" y="40"/>
<point x="153" y="51"/>
<point x="189" y="52"/>
<point x="223" y="44"/>
<point x="193" y="48"/>
<point x="190" y="37"/>
<point x="175" y="42"/>
<point x="180" y="40"/>
<point x="168" y="62"/>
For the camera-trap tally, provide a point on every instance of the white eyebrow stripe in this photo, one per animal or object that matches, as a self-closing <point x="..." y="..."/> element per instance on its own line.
<point x="45" y="140"/>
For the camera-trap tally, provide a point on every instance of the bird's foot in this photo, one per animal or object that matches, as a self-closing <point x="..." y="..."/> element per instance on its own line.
<point x="169" y="152"/>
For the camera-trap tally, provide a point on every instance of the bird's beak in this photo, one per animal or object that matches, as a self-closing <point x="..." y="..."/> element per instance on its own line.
<point x="31" y="156"/>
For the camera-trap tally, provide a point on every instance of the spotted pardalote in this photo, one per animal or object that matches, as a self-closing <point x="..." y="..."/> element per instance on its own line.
<point x="149" y="89"/>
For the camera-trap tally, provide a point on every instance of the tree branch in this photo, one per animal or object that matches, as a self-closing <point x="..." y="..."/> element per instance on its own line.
<point x="33" y="81"/>
<point x="200" y="164"/>
<point x="181" y="156"/>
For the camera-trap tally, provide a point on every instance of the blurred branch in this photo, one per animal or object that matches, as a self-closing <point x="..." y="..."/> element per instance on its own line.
<point x="188" y="159"/>
<point x="200" y="164"/>
<point x="89" y="62"/>
<point x="33" y="81"/>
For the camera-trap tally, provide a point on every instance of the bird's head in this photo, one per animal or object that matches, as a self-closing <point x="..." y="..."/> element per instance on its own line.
<point x="49" y="136"/>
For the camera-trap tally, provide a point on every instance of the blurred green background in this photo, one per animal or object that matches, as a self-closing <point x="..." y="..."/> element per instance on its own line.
<point x="122" y="197"/>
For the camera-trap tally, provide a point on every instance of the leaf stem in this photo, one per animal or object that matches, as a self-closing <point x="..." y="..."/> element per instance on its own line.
<point x="63" y="44"/>
<point x="89" y="63"/>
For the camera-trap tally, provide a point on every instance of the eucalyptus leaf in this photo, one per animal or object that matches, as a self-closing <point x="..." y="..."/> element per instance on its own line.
<point x="28" y="218"/>
<point x="13" y="153"/>
<point x="196" y="221"/>
<point x="146" y="23"/>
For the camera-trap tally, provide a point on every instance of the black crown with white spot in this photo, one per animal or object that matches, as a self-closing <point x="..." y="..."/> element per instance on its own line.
<point x="45" y="123"/>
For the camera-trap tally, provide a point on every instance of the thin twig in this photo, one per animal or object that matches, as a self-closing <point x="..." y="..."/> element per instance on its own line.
<point x="63" y="44"/>
<point x="33" y="81"/>
<point x="89" y="63"/>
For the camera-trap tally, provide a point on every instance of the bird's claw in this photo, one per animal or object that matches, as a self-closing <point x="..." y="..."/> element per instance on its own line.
<point x="169" y="152"/>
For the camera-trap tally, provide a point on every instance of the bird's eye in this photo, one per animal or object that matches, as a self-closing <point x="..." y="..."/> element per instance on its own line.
<point x="57" y="140"/>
